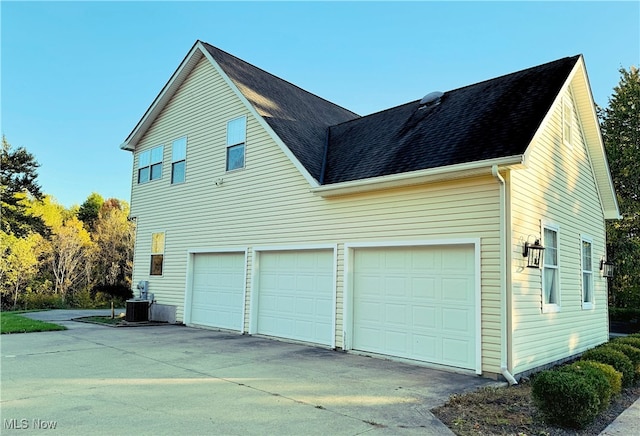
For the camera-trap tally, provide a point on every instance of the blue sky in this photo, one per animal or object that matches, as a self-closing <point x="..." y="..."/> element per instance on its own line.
<point x="77" y="76"/>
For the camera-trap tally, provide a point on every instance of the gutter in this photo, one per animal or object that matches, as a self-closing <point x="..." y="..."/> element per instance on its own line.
<point x="417" y="177"/>
<point x="503" y="279"/>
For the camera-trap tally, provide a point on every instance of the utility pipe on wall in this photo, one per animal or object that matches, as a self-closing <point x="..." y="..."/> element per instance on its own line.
<point x="503" y="278"/>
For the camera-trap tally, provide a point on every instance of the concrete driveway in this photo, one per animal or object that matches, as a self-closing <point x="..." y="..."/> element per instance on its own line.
<point x="169" y="379"/>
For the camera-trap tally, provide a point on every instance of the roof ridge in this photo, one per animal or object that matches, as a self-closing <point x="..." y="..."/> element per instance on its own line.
<point x="535" y="67"/>
<point x="279" y="78"/>
<point x="502" y="77"/>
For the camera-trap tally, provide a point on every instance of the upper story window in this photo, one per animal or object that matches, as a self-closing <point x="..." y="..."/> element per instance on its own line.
<point x="178" y="160"/>
<point x="587" y="272"/>
<point x="157" y="253"/>
<point x="550" y="271"/>
<point x="150" y="164"/>
<point x="567" y="121"/>
<point x="236" y="136"/>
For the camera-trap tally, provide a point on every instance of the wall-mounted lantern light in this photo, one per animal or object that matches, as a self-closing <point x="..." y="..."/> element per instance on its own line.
<point x="606" y="266"/>
<point x="533" y="253"/>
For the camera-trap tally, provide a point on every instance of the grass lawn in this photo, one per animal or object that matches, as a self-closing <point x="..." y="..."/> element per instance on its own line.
<point x="13" y="322"/>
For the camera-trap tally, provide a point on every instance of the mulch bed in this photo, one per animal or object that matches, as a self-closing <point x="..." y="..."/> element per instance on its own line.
<point x="510" y="411"/>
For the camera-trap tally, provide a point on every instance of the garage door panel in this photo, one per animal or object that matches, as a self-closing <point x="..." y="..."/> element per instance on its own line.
<point x="456" y="290"/>
<point x="457" y="320"/>
<point x="217" y="295"/>
<point x="301" y="284"/>
<point x="396" y="314"/>
<point x="457" y="351"/>
<point x="424" y="288"/>
<point x="416" y="302"/>
<point x="424" y="317"/>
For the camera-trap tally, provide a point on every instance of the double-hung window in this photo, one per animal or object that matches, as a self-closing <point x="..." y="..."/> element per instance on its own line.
<point x="587" y="272"/>
<point x="150" y="164"/>
<point x="550" y="271"/>
<point x="236" y="136"/>
<point x="157" y="253"/>
<point x="178" y="160"/>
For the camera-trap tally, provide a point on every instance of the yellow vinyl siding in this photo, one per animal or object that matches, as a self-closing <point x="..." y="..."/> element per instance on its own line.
<point x="269" y="204"/>
<point x="558" y="187"/>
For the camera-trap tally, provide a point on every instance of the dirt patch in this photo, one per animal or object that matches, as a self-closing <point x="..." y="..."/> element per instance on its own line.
<point x="510" y="411"/>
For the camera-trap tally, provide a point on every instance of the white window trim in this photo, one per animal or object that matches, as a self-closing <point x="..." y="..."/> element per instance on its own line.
<point x="179" y="160"/>
<point x="555" y="307"/>
<point x="150" y="164"/>
<point x="231" y="145"/>
<point x="590" y="304"/>
<point x="152" y="253"/>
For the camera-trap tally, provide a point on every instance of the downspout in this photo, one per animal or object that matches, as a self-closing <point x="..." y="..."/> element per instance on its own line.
<point x="503" y="278"/>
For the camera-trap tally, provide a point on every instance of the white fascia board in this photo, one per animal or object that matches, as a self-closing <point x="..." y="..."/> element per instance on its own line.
<point x="419" y="177"/>
<point x="604" y="183"/>
<point x="308" y="177"/>
<point x="169" y="89"/>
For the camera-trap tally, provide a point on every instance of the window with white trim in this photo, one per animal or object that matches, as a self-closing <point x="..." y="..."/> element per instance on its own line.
<point x="236" y="136"/>
<point x="550" y="270"/>
<point x="157" y="253"/>
<point x="567" y="121"/>
<point x="587" y="272"/>
<point x="150" y="164"/>
<point x="178" y="160"/>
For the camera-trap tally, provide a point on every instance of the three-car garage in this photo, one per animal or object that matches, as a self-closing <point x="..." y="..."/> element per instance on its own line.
<point x="419" y="302"/>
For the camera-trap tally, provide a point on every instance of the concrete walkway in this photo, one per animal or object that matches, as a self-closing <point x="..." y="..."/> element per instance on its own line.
<point x="627" y="423"/>
<point x="92" y="379"/>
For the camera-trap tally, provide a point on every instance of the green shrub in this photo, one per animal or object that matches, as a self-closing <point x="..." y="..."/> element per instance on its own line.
<point x="625" y="314"/>
<point x="632" y="353"/>
<point x="629" y="340"/>
<point x="634" y="335"/>
<point x="595" y="377"/>
<point x="614" y="377"/>
<point x="615" y="358"/>
<point x="82" y="300"/>
<point x="565" y="398"/>
<point x="37" y="300"/>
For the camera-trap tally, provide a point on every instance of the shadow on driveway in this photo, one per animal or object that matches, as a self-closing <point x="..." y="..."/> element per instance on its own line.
<point x="180" y="380"/>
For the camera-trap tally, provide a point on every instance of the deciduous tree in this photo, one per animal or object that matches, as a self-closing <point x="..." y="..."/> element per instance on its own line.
<point x="114" y="237"/>
<point x="19" y="264"/>
<point x="69" y="250"/>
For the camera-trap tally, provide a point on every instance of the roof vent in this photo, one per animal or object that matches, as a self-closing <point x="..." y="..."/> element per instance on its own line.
<point x="432" y="98"/>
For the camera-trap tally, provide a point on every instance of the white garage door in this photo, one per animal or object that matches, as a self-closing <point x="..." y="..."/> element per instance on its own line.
<point x="218" y="290"/>
<point x="416" y="303"/>
<point x="295" y="296"/>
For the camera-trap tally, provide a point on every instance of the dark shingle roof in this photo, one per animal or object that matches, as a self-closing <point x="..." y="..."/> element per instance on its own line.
<point x="298" y="117"/>
<point x="492" y="119"/>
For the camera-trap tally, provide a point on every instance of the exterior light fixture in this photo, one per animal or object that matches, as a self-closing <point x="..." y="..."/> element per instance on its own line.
<point x="533" y="253"/>
<point x="606" y="266"/>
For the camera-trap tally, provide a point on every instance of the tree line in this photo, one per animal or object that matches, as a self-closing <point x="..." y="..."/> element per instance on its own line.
<point x="52" y="256"/>
<point x="620" y="126"/>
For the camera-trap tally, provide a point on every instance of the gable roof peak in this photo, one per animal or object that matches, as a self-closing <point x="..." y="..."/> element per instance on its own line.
<point x="299" y="118"/>
<point x="211" y="48"/>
